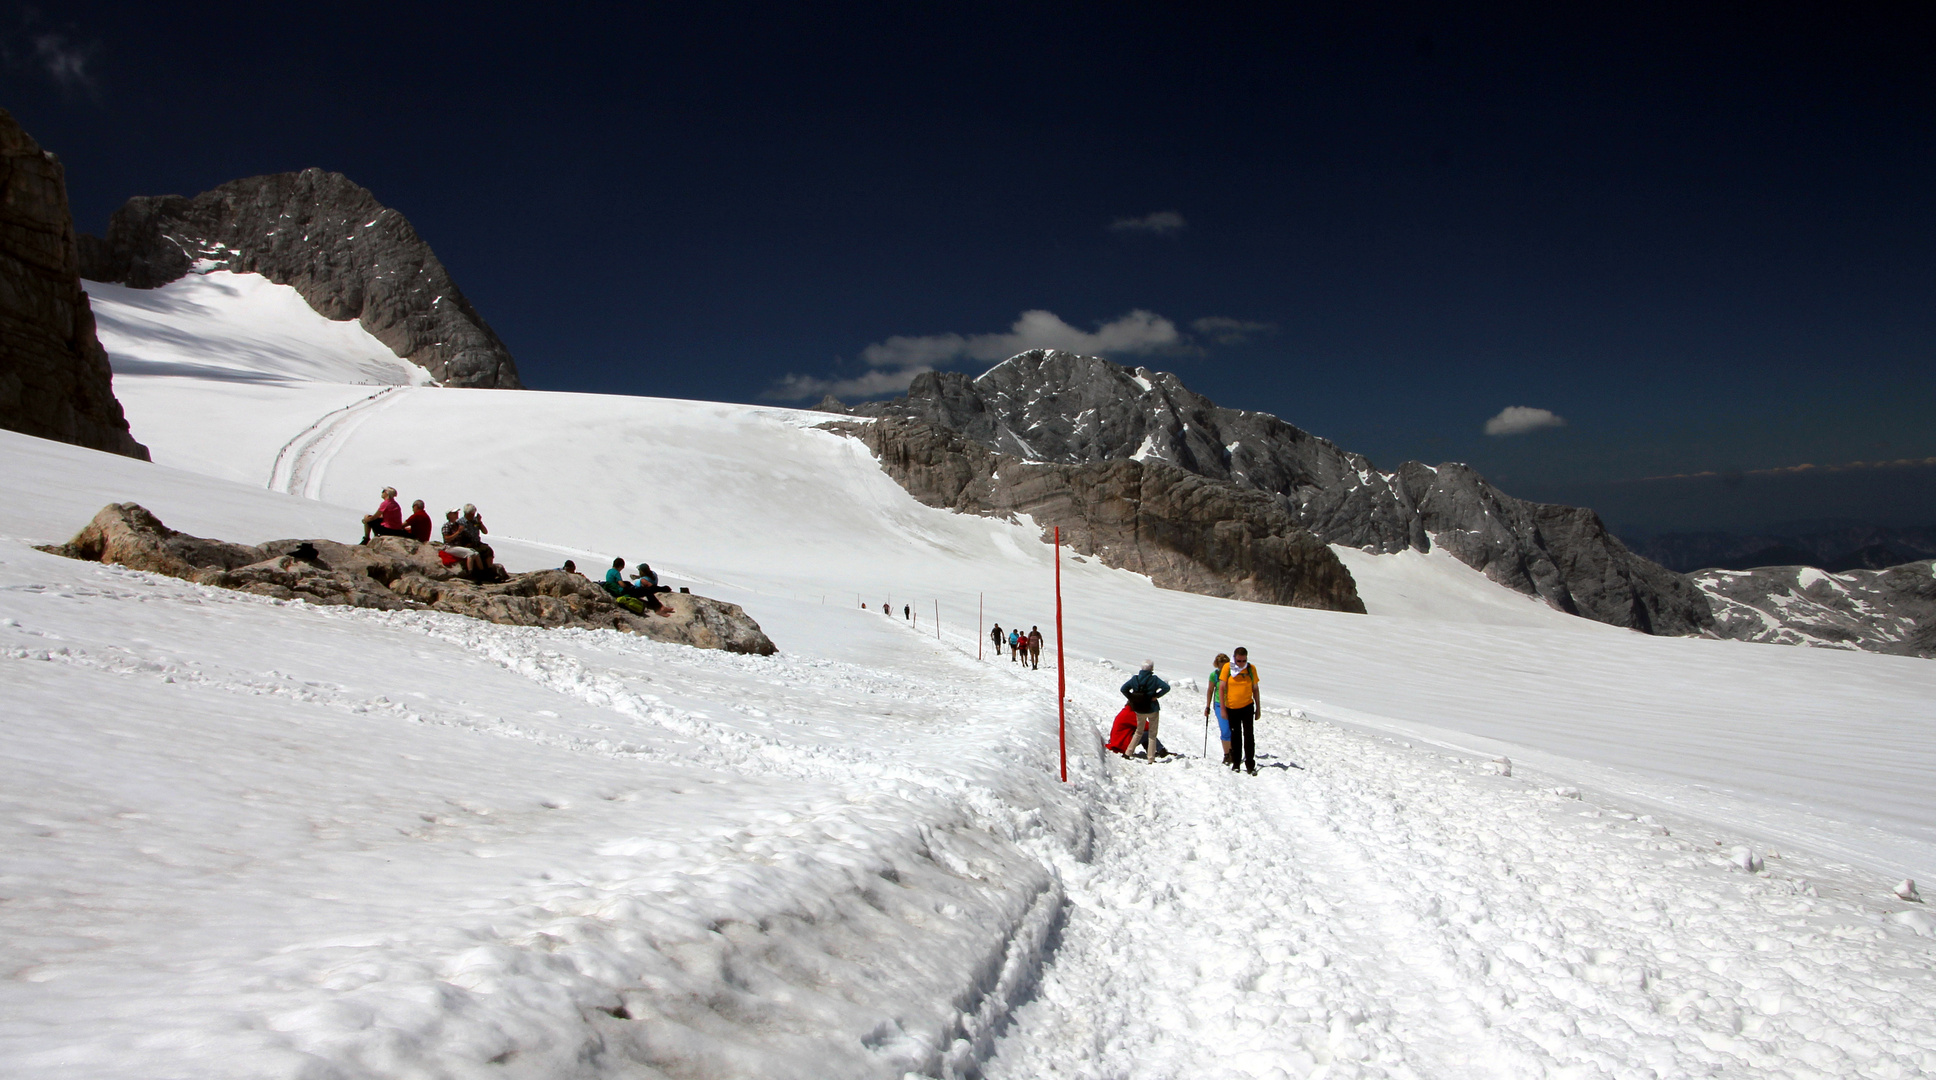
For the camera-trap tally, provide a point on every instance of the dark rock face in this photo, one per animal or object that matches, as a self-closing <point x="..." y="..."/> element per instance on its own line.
<point x="397" y="574"/>
<point x="1184" y="531"/>
<point x="1887" y="611"/>
<point x="1059" y="408"/>
<point x="54" y="377"/>
<point x="348" y="255"/>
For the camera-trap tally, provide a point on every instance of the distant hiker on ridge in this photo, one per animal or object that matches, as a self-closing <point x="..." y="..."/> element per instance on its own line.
<point x="1142" y="690"/>
<point x="887" y="608"/>
<point x="1237" y="681"/>
<point x="388" y="519"/>
<point x="907" y="613"/>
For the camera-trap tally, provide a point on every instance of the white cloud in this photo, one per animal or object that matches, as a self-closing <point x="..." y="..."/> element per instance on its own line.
<point x="896" y="361"/>
<point x="67" y="64"/>
<point x="1518" y="420"/>
<point x="1227" y="331"/>
<point x="1162" y="223"/>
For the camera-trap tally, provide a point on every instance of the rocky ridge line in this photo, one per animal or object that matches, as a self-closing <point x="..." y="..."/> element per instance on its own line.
<point x="1183" y="531"/>
<point x="1885" y="611"/>
<point x="54" y="377"/>
<point x="348" y="255"/>
<point x="397" y="574"/>
<point x="1054" y="407"/>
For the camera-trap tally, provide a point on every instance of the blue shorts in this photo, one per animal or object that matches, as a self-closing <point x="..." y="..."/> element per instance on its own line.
<point x="1223" y="722"/>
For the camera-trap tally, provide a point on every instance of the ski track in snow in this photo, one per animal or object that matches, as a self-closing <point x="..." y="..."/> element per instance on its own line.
<point x="302" y="462"/>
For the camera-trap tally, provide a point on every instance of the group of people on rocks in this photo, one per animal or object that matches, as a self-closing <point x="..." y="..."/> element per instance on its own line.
<point x="644" y="586"/>
<point x="1024" y="649"/>
<point x="1231" y="695"/>
<point x="463" y="542"/>
<point x="462" y="534"/>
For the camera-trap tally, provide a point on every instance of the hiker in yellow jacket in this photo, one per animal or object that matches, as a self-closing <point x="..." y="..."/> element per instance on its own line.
<point x="1237" y="684"/>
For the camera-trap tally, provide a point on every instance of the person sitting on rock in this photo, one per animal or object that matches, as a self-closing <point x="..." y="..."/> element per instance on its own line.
<point x="474" y="531"/>
<point x="418" y="524"/>
<point x="388" y="519"/>
<point x="647" y="581"/>
<point x="570" y="567"/>
<point x="616" y="584"/>
<point x="461" y="544"/>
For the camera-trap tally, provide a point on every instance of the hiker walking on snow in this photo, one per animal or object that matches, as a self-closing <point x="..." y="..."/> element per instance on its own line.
<point x="1142" y="690"/>
<point x="1214" y="701"/>
<point x="1014" y="646"/>
<point x="995" y="636"/>
<point x="1237" y="682"/>
<point x="1035" y="647"/>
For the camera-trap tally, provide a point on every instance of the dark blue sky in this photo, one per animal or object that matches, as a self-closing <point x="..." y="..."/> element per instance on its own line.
<point x="1706" y="240"/>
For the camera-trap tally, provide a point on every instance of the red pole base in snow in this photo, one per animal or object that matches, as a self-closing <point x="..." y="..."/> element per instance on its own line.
<point x="1061" y="681"/>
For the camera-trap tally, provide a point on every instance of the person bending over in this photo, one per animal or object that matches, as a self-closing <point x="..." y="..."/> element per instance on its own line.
<point x="1142" y="691"/>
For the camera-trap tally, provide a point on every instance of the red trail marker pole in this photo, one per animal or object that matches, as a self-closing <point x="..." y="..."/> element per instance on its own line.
<point x="1061" y="680"/>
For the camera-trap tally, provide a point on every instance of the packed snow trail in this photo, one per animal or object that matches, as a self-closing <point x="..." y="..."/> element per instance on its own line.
<point x="1379" y="910"/>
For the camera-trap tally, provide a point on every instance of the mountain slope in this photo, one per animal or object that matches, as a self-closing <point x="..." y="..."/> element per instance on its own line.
<point x="1053" y="406"/>
<point x="348" y="255"/>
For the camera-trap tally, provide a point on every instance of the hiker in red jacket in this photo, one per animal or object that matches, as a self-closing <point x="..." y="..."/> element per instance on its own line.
<point x="418" y="524"/>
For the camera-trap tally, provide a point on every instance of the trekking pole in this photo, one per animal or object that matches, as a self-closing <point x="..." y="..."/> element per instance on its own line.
<point x="1206" y="736"/>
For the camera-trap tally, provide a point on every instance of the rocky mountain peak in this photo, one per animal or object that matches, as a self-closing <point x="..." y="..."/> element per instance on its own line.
<point x="328" y="237"/>
<point x="1057" y="407"/>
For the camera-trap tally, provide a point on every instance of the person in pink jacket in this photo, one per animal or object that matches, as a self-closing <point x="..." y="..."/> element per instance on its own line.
<point x="388" y="519"/>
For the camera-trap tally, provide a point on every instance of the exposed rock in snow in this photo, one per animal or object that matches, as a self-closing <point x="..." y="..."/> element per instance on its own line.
<point x="1057" y="407"/>
<point x="393" y="574"/>
<point x="1888" y="611"/>
<point x="1183" y="531"/>
<point x="1500" y="765"/>
<point x="1907" y="891"/>
<point x="350" y="256"/>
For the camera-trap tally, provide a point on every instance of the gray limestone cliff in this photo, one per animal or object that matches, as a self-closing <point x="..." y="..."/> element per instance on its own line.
<point x="348" y="255"/>
<point x="1886" y="611"/>
<point x="54" y="376"/>
<point x="1054" y="407"/>
<point x="1183" y="531"/>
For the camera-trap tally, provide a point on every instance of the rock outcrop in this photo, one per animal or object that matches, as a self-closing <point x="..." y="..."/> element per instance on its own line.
<point x="1183" y="531"/>
<point x="1886" y="611"/>
<point x="1054" y="407"/>
<point x="348" y="255"/>
<point x="396" y="574"/>
<point x="54" y="376"/>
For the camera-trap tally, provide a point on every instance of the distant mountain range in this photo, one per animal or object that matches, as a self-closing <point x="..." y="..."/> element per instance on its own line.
<point x="1834" y="549"/>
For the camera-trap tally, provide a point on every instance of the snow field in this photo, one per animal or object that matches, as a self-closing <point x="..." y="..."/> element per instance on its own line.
<point x="1364" y="908"/>
<point x="229" y="327"/>
<point x="246" y="838"/>
<point x="249" y="838"/>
